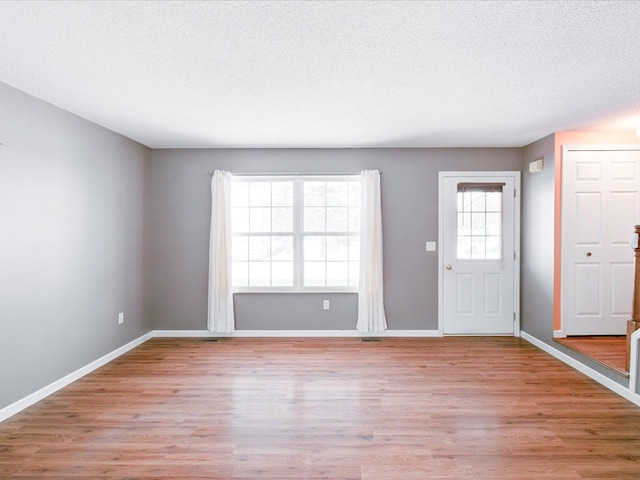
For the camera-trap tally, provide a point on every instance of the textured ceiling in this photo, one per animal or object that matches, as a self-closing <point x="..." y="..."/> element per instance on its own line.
<point x="327" y="74"/>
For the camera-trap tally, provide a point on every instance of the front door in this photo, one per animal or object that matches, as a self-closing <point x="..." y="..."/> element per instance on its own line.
<point x="479" y="274"/>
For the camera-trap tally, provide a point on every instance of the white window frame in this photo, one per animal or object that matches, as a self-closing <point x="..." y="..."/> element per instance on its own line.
<point x="298" y="232"/>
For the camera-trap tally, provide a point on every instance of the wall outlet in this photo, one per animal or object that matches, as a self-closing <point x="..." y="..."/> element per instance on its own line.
<point x="120" y="318"/>
<point x="325" y="304"/>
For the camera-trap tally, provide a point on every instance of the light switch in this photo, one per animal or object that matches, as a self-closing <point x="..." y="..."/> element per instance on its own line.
<point x="431" y="246"/>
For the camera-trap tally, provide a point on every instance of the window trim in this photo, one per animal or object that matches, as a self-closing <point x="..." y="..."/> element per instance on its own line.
<point x="298" y="232"/>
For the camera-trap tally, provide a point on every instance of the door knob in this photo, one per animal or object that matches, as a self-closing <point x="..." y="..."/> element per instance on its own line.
<point x="448" y="267"/>
<point x="588" y="254"/>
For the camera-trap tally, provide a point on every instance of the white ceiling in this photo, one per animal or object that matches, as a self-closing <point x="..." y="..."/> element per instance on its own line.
<point x="328" y="74"/>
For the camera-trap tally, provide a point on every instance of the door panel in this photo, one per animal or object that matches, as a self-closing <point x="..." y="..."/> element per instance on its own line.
<point x="464" y="293"/>
<point x="478" y="244"/>
<point x="621" y="288"/>
<point x="588" y="205"/>
<point x="588" y="281"/>
<point x="493" y="294"/>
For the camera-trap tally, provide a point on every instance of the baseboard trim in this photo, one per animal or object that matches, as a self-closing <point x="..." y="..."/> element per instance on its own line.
<point x="294" y="333"/>
<point x="588" y="371"/>
<point x="558" y="334"/>
<point x="44" y="392"/>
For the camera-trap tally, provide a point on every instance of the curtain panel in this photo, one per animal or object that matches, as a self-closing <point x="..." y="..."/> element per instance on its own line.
<point x="371" y="314"/>
<point x="221" y="315"/>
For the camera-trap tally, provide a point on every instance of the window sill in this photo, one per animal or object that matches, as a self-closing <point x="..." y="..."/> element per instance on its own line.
<point x="295" y="291"/>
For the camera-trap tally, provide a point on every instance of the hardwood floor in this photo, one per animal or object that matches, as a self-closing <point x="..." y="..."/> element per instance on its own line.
<point x="608" y="350"/>
<point x="452" y="408"/>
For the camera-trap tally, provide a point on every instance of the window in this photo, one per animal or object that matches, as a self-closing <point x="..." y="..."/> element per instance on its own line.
<point x="479" y="231"/>
<point x="295" y="233"/>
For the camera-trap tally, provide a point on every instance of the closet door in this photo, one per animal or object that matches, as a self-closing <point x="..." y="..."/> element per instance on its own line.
<point x="601" y="205"/>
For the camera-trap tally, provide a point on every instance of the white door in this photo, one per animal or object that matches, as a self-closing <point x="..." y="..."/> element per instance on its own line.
<point x="600" y="207"/>
<point x="479" y="274"/>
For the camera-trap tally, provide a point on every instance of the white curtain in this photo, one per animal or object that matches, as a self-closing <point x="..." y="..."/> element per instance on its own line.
<point x="371" y="316"/>
<point x="221" y="317"/>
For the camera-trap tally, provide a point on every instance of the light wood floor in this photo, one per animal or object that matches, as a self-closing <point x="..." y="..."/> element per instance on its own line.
<point x="608" y="350"/>
<point x="452" y="408"/>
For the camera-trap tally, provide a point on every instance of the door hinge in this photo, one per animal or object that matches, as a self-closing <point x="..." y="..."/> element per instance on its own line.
<point x="514" y="316"/>
<point x="514" y="254"/>
<point x="514" y="193"/>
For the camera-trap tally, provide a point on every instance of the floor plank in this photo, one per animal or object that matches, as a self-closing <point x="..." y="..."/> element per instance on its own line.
<point x="445" y="408"/>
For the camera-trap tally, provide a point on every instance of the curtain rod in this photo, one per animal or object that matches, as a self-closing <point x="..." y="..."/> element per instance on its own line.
<point x="303" y="174"/>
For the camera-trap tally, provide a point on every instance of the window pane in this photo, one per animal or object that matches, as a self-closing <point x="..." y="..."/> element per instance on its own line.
<point x="354" y="219"/>
<point x="338" y="248"/>
<point x="337" y="194"/>
<point x="477" y="223"/>
<point x="464" y="248"/>
<point x="464" y="224"/>
<point x="354" y="273"/>
<point x="259" y="219"/>
<point x="260" y="194"/>
<point x="240" y="248"/>
<point x="282" y="194"/>
<point x="260" y="248"/>
<point x="240" y="219"/>
<point x="494" y="226"/>
<point x="281" y="248"/>
<point x="282" y="219"/>
<point x="494" y="201"/>
<point x="337" y="219"/>
<point x="314" y="194"/>
<point x="464" y="201"/>
<point x="314" y="220"/>
<point x="259" y="274"/>
<point x="337" y="274"/>
<point x="240" y="274"/>
<point x="478" y="247"/>
<point x="477" y="201"/>
<point x="494" y="247"/>
<point x="354" y="249"/>
<point x="282" y="274"/>
<point x="239" y="194"/>
<point x="314" y="275"/>
<point x="354" y="194"/>
<point x="314" y="248"/>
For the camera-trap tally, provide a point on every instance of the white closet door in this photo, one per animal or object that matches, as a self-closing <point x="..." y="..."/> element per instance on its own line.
<point x="601" y="205"/>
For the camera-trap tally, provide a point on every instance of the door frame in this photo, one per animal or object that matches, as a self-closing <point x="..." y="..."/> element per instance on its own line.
<point x="563" y="218"/>
<point x="516" y="240"/>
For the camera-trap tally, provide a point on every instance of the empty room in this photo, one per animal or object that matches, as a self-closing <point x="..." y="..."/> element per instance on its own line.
<point x="358" y="240"/>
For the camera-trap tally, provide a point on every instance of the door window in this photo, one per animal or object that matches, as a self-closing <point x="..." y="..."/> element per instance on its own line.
<point x="479" y="221"/>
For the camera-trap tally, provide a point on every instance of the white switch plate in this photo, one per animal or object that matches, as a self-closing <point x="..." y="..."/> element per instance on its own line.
<point x="120" y="318"/>
<point x="431" y="246"/>
<point x="325" y="304"/>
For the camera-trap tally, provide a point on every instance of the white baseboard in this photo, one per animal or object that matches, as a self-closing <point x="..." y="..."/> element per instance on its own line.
<point x="295" y="333"/>
<point x="582" y="368"/>
<point x="44" y="392"/>
<point x="558" y="334"/>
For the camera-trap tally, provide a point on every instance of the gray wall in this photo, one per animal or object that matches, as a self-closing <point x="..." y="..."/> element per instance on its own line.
<point x="74" y="207"/>
<point x="181" y="216"/>
<point x="537" y="262"/>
